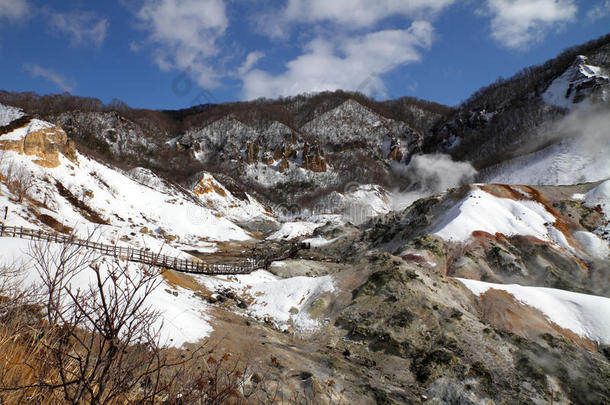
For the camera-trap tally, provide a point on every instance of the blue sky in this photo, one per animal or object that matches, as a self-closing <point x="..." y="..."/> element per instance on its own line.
<point x="166" y="54"/>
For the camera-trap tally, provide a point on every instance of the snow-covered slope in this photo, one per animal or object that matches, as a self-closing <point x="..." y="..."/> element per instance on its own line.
<point x="585" y="315"/>
<point x="482" y="211"/>
<point x="283" y="302"/>
<point x="182" y="316"/>
<point x="576" y="87"/>
<point x="9" y="114"/>
<point x="80" y="194"/>
<point x="567" y="162"/>
<point x="140" y="209"/>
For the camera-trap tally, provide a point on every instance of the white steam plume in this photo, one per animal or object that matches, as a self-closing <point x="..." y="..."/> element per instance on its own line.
<point x="430" y="174"/>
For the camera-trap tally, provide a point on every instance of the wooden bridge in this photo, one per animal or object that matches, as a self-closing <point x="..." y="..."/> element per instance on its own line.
<point x="143" y="256"/>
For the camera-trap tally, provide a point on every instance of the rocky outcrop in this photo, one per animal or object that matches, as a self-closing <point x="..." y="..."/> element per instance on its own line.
<point x="582" y="83"/>
<point x="40" y="139"/>
<point x="251" y="152"/>
<point x="313" y="158"/>
<point x="395" y="151"/>
<point x="110" y="132"/>
<point x="284" y="165"/>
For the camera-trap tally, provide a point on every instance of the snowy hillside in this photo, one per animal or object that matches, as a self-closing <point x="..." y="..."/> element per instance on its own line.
<point x="481" y="210"/>
<point x="352" y="122"/>
<point x="82" y="192"/>
<point x="585" y="315"/>
<point x="138" y="209"/>
<point x="570" y="161"/>
<point x="9" y="114"/>
<point x="576" y="85"/>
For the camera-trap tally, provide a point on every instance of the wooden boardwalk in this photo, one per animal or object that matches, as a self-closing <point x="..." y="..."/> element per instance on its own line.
<point x="243" y="266"/>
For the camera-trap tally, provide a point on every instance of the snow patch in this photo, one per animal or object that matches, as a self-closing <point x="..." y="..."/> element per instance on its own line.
<point x="585" y="315"/>
<point x="292" y="230"/>
<point x="283" y="302"/>
<point x="481" y="211"/>
<point x="593" y="245"/>
<point x="20" y="133"/>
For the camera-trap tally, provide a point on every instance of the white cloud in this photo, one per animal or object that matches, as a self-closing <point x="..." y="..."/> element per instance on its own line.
<point x="349" y="14"/>
<point x="360" y="13"/>
<point x="343" y="64"/>
<point x="185" y="35"/>
<point x="50" y="75"/>
<point x="251" y="60"/>
<point x="600" y="11"/>
<point x="82" y="28"/>
<point x="517" y="23"/>
<point x="13" y="9"/>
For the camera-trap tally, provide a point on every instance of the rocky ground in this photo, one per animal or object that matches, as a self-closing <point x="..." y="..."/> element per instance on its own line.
<point x="400" y="328"/>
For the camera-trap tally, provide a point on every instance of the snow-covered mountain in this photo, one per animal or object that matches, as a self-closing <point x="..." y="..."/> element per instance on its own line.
<point x="408" y="286"/>
<point x="74" y="189"/>
<point x="48" y="185"/>
<point x="525" y="113"/>
<point x="580" y="85"/>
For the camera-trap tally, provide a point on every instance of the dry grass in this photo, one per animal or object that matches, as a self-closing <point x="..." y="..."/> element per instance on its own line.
<point x="24" y="360"/>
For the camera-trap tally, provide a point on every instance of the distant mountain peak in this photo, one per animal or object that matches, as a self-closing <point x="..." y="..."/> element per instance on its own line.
<point x="581" y="84"/>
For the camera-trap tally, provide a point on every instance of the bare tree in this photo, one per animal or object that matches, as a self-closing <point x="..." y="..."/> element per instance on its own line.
<point x="19" y="180"/>
<point x="101" y="343"/>
<point x="91" y="337"/>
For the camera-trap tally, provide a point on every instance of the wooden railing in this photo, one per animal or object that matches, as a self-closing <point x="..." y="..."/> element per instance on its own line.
<point x="243" y="266"/>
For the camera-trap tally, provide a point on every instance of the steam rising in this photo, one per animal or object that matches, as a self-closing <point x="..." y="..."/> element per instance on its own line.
<point x="579" y="153"/>
<point x="430" y="174"/>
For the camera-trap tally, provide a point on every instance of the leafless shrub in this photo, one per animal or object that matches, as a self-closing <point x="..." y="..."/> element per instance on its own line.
<point x="19" y="180"/>
<point x="89" y="336"/>
<point x="98" y="343"/>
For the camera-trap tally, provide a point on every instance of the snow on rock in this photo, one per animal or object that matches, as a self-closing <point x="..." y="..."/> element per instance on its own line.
<point x="218" y="197"/>
<point x="600" y="195"/>
<point x="292" y="230"/>
<point x="9" y="114"/>
<point x="585" y="315"/>
<point x="284" y="302"/>
<point x="182" y="316"/>
<point x="593" y="245"/>
<point x="481" y="211"/>
<point x="20" y="133"/>
<point x="568" y="90"/>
